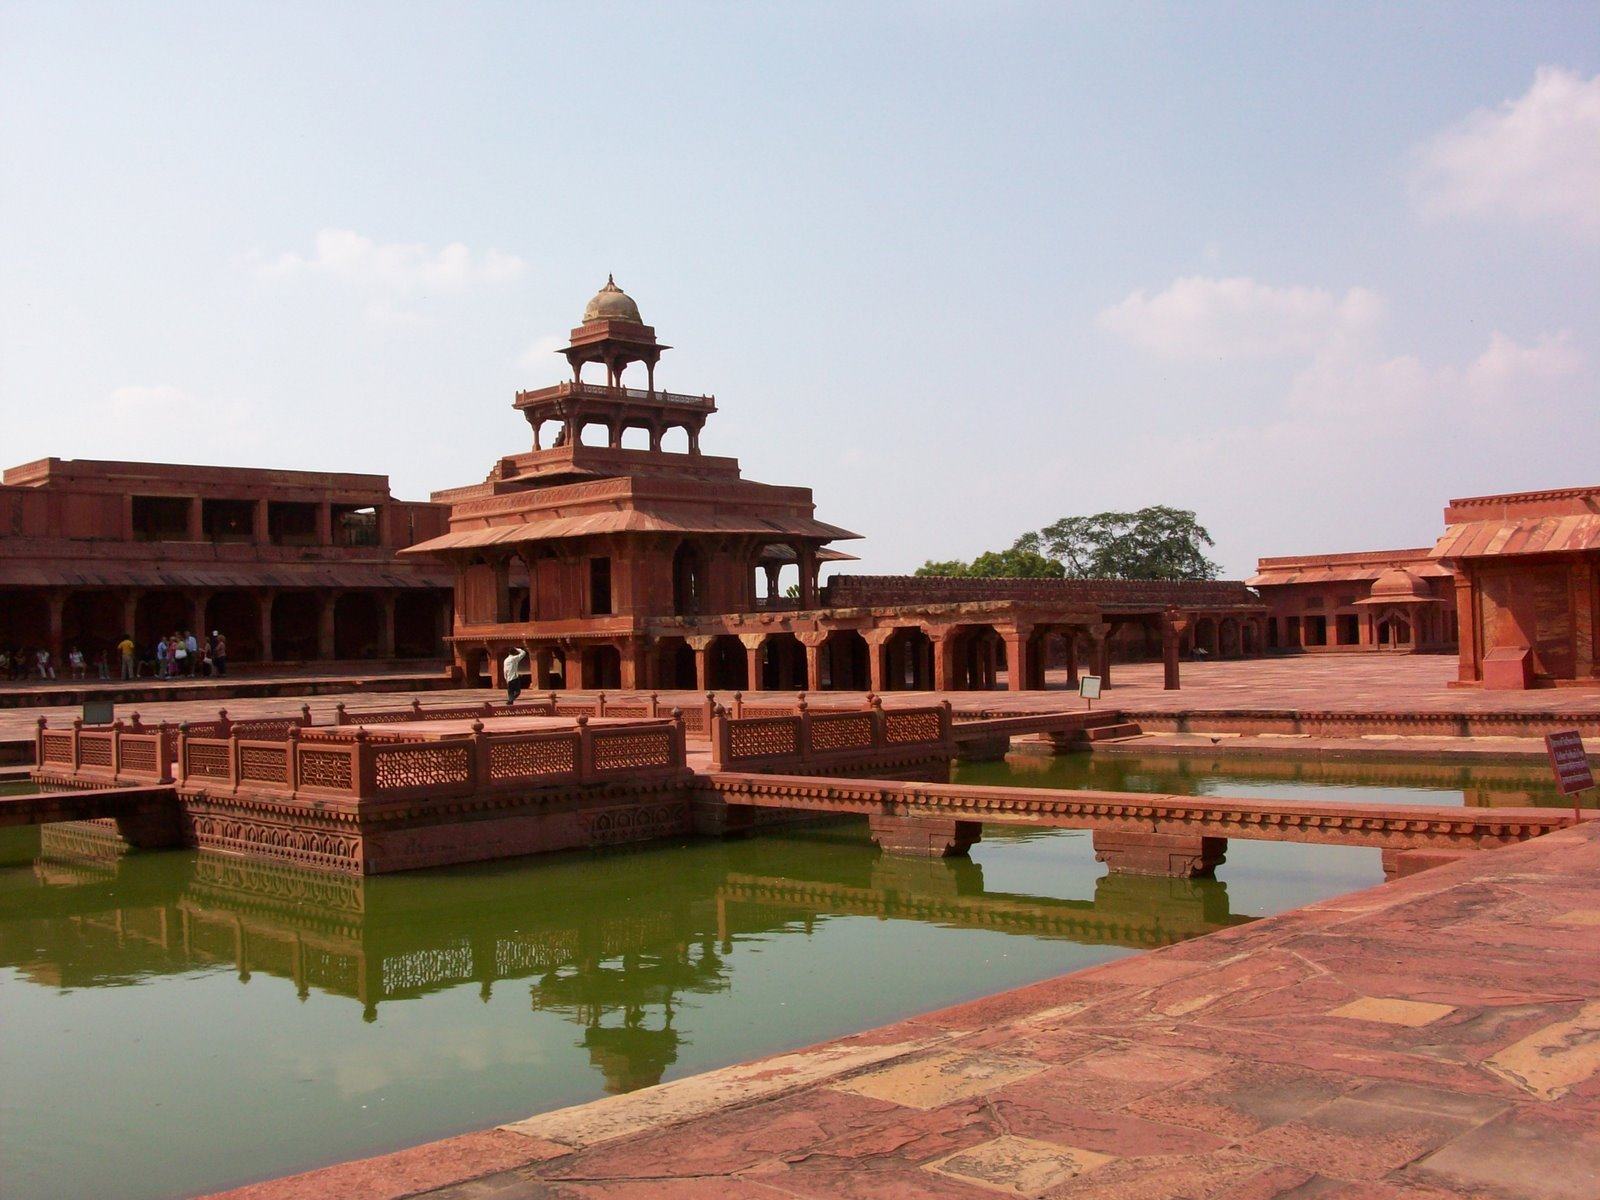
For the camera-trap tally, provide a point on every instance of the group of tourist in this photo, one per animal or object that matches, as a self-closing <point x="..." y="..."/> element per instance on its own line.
<point x="178" y="655"/>
<point x="181" y="655"/>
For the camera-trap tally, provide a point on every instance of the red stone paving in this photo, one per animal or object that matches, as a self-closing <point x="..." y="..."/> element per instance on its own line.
<point x="1434" y="1037"/>
<point x="1321" y="683"/>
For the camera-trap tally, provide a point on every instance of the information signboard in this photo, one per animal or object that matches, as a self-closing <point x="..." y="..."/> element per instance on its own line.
<point x="1569" y="761"/>
<point x="1570" y="765"/>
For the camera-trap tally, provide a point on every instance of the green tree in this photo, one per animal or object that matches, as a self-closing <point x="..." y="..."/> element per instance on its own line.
<point x="1154" y="543"/>
<point x="1014" y="563"/>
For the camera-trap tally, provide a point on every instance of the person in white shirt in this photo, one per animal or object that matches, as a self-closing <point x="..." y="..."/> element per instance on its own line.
<point x="513" y="666"/>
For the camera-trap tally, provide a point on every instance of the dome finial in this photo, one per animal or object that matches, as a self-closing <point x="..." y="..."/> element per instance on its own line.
<point x="612" y="303"/>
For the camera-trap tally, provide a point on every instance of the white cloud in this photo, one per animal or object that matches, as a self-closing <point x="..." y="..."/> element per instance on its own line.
<point x="1199" y="317"/>
<point x="394" y="268"/>
<point x="1534" y="159"/>
<point x="1366" y="448"/>
<point x="540" y="355"/>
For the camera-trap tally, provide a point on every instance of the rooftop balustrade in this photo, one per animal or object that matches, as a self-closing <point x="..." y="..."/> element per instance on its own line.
<point x="600" y="391"/>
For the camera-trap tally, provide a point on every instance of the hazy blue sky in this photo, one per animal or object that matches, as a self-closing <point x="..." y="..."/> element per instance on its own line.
<point x="963" y="268"/>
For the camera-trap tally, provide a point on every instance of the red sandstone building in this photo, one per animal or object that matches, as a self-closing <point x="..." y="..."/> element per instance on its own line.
<point x="1389" y="600"/>
<point x="292" y="566"/>
<point x="1527" y="570"/>
<point x="655" y="565"/>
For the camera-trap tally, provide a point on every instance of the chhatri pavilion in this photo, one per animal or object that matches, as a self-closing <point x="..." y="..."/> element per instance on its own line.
<point x="622" y="556"/>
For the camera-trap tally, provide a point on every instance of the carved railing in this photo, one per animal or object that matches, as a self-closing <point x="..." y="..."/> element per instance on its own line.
<point x="104" y="755"/>
<point x="757" y="739"/>
<point x="320" y="764"/>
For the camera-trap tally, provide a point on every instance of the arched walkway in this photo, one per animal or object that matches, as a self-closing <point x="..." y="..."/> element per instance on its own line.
<point x="844" y="662"/>
<point x="726" y="664"/>
<point x="237" y="616"/>
<point x="675" y="664"/>
<point x="783" y="663"/>
<point x="295" y="618"/>
<point x="908" y="661"/>
<point x="357" y="626"/>
<point x="92" y="621"/>
<point x="418" y="618"/>
<point x="602" y="667"/>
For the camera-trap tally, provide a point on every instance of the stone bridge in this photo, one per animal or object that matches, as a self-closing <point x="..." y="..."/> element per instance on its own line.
<point x="1180" y="836"/>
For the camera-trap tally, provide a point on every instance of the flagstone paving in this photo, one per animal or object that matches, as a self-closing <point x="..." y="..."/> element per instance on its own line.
<point x="1326" y="683"/>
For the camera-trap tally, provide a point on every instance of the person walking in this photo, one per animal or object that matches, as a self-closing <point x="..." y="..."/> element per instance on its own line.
<point x="513" y="667"/>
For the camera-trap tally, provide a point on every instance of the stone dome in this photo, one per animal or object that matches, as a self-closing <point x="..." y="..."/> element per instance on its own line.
<point x="1397" y="584"/>
<point x="611" y="303"/>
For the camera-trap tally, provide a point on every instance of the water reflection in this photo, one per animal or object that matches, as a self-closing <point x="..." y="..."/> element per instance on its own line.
<point x="614" y="943"/>
<point x="1472" y="784"/>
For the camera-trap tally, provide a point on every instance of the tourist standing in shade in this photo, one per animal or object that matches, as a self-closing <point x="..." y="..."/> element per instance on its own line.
<point x="514" y="664"/>
<point x="219" y="652"/>
<point x="125" y="648"/>
<point x="191" y="649"/>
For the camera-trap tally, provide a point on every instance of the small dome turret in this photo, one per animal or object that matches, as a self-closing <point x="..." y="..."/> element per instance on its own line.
<point x="1398" y="584"/>
<point x="611" y="303"/>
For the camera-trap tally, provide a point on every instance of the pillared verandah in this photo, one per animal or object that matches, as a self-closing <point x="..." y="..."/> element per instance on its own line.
<point x="635" y="560"/>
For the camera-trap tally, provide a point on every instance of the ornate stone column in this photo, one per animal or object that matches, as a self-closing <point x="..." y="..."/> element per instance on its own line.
<point x="752" y="643"/>
<point x="701" y="645"/>
<point x="813" y="642"/>
<point x="876" y="640"/>
<point x="1017" y="656"/>
<point x="265" y="629"/>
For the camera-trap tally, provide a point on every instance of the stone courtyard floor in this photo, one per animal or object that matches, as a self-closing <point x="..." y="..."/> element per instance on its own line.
<point x="1321" y="683"/>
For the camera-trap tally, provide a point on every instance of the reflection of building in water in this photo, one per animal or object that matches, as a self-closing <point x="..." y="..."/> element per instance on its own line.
<point x="1480" y="784"/>
<point x="614" y="943"/>
<point x="615" y="1002"/>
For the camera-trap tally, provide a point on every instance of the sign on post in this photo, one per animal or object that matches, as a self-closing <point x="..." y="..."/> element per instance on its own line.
<point x="1089" y="688"/>
<point x="1570" y="763"/>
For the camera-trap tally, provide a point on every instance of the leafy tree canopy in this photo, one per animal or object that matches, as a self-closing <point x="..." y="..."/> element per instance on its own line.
<point x="1015" y="563"/>
<point x="1154" y="543"/>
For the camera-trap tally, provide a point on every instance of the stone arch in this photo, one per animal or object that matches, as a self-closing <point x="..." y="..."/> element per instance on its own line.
<point x="358" y="626"/>
<point x="417" y="622"/>
<point x="844" y="662"/>
<point x="602" y="667"/>
<point x="25" y="619"/>
<point x="296" y="616"/>
<point x="908" y="660"/>
<point x="976" y="653"/>
<point x="550" y="668"/>
<point x="158" y="613"/>
<point x="688" y="580"/>
<point x="726" y="664"/>
<point x="783" y="663"/>
<point x="92" y="621"/>
<point x="1205" y="636"/>
<point x="675" y="664"/>
<point x="236" y="614"/>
